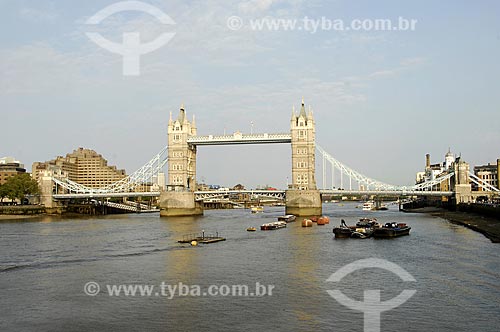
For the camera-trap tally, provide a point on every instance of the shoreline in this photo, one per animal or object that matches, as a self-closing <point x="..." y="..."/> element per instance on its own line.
<point x="488" y="226"/>
<point x="8" y="217"/>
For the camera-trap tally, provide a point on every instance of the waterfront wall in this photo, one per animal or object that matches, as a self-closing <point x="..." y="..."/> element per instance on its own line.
<point x="482" y="209"/>
<point x="22" y="210"/>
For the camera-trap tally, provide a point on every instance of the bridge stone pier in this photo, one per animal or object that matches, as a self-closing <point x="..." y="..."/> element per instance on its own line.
<point x="302" y="196"/>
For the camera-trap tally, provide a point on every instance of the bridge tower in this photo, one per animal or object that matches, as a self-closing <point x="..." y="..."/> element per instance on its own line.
<point x="178" y="199"/>
<point x="181" y="155"/>
<point x="302" y="196"/>
<point x="462" y="186"/>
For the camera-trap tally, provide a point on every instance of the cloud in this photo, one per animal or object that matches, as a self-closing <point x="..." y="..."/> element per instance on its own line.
<point x="254" y="6"/>
<point x="37" y="15"/>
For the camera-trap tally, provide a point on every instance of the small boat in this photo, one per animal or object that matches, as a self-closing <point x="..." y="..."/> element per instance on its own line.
<point x="256" y="209"/>
<point x="307" y="223"/>
<point x="368" y="223"/>
<point x="342" y="232"/>
<point x="323" y="220"/>
<point x="364" y="229"/>
<point x="273" y="225"/>
<point x="368" y="206"/>
<point x="251" y="229"/>
<point x="392" y="230"/>
<point x="381" y="208"/>
<point x="287" y="218"/>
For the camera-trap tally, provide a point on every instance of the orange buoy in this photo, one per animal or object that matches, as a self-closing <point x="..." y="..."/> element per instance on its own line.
<point x="323" y="220"/>
<point x="307" y="223"/>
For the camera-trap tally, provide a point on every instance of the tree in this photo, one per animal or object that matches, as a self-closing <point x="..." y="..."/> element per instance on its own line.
<point x="19" y="186"/>
<point x="3" y="192"/>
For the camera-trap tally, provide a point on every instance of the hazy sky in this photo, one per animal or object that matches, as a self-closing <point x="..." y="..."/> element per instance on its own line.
<point x="381" y="99"/>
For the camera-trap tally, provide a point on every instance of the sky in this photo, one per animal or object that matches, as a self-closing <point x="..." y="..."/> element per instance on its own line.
<point x="381" y="99"/>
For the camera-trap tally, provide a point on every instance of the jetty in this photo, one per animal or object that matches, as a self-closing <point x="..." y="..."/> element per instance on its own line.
<point x="202" y="238"/>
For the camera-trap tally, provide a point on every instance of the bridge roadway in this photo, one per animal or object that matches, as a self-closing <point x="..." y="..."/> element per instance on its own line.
<point x="268" y="193"/>
<point x="401" y="192"/>
<point x="239" y="138"/>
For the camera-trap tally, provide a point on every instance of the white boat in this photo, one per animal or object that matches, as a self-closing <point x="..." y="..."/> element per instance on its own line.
<point x="273" y="226"/>
<point x="368" y="206"/>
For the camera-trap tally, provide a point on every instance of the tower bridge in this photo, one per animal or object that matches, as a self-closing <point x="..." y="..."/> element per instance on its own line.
<point x="302" y="197"/>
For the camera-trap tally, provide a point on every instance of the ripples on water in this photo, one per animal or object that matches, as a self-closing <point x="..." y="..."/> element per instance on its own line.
<point x="44" y="265"/>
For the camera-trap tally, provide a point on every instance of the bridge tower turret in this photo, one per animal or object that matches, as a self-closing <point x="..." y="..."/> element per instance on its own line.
<point x="181" y="155"/>
<point x="179" y="199"/>
<point x="302" y="197"/>
<point x="462" y="186"/>
<point x="303" y="132"/>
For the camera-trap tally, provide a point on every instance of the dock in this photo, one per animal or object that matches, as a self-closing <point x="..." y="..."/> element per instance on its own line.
<point x="202" y="238"/>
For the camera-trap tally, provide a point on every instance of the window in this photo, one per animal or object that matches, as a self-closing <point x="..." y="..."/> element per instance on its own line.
<point x="302" y="164"/>
<point x="177" y="167"/>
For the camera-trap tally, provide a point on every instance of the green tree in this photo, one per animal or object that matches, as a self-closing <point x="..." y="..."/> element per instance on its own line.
<point x="3" y="192"/>
<point x="19" y="186"/>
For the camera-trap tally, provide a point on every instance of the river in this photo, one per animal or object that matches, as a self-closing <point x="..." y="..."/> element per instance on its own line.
<point x="46" y="262"/>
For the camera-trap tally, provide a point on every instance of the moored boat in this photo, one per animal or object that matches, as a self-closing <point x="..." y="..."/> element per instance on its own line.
<point x="363" y="229"/>
<point x="251" y="229"/>
<point x="273" y="225"/>
<point x="392" y="230"/>
<point x="342" y="232"/>
<point x="287" y="218"/>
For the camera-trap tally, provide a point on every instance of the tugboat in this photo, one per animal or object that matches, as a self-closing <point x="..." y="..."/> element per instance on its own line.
<point x="392" y="229"/>
<point x="364" y="229"/>
<point x="343" y="231"/>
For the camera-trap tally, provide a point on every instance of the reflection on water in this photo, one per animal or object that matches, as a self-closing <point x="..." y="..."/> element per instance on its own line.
<point x="46" y="261"/>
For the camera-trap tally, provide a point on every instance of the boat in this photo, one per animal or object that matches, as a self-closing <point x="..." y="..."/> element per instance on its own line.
<point x="368" y="206"/>
<point x="323" y="220"/>
<point x="381" y="207"/>
<point x="342" y="232"/>
<point x="287" y="218"/>
<point x="307" y="223"/>
<point x="392" y="229"/>
<point x="368" y="223"/>
<point x="364" y="229"/>
<point x="273" y="225"/>
<point x="256" y="209"/>
<point x="251" y="229"/>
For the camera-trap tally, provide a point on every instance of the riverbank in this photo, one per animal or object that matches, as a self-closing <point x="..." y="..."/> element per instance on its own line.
<point x="17" y="216"/>
<point x="489" y="227"/>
